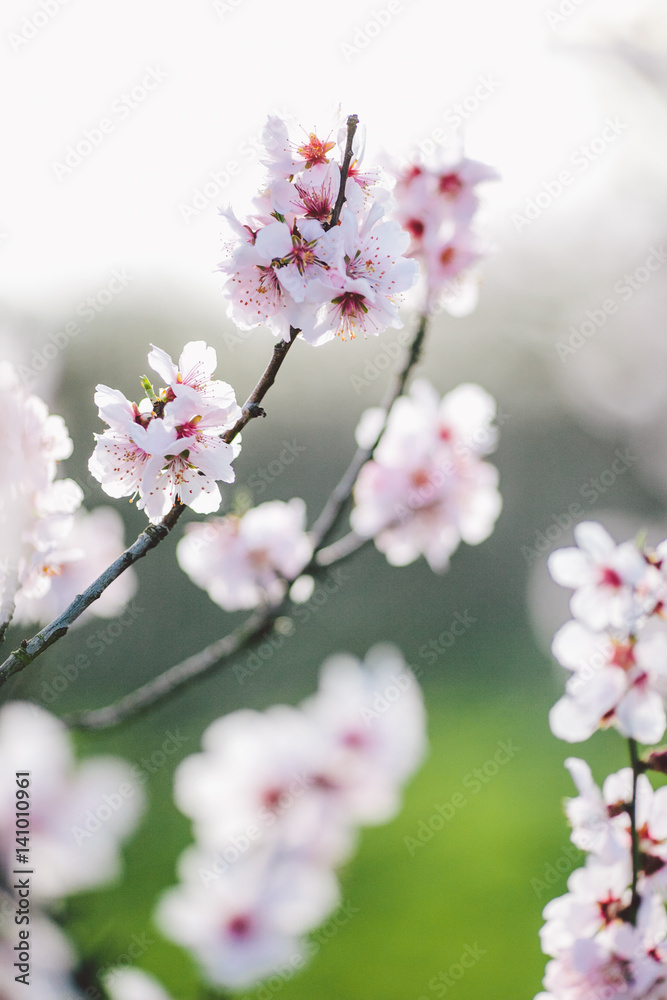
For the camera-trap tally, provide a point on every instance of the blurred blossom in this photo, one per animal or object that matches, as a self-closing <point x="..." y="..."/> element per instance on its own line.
<point x="243" y="561"/>
<point x="288" y="267"/>
<point x="276" y="798"/>
<point x="249" y="923"/>
<point x="133" y="984"/>
<point x="35" y="508"/>
<point x="50" y="964"/>
<point x="169" y="446"/>
<point x="436" y="205"/>
<point x="57" y="575"/>
<point x="427" y="488"/>
<point x="80" y="813"/>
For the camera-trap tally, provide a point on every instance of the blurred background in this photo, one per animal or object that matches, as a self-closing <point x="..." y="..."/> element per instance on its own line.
<point x="567" y="98"/>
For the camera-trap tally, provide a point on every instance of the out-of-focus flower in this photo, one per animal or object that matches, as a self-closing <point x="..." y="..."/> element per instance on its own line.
<point x="71" y="564"/>
<point x="275" y="798"/>
<point x="50" y="958"/>
<point x="249" y="923"/>
<point x="243" y="561"/>
<point x="427" y="487"/>
<point x="35" y="508"/>
<point x="80" y="813"/>
<point x="133" y="984"/>
<point x="436" y="204"/>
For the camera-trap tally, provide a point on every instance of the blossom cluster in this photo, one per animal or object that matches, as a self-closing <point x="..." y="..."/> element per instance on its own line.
<point x="51" y="547"/>
<point x="79" y="816"/>
<point x="293" y="265"/>
<point x="427" y="486"/>
<point x="616" y="645"/>
<point x="169" y="447"/>
<point x="276" y="798"/>
<point x="243" y="561"/>
<point x="604" y="943"/>
<point x="608" y="934"/>
<point x="436" y="204"/>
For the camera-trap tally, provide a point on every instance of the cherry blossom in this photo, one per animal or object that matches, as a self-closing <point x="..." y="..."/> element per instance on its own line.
<point x="436" y="204"/>
<point x="620" y="962"/>
<point x="605" y="577"/>
<point x="35" y="508"/>
<point x="80" y="813"/>
<point x="169" y="447"/>
<point x="426" y="488"/>
<point x="70" y="564"/>
<point x="290" y="268"/>
<point x="275" y="798"/>
<point x="243" y="561"/>
<point x="620" y="681"/>
<point x="249" y="923"/>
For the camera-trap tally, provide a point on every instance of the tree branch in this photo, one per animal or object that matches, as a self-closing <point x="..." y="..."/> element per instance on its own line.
<point x="196" y="666"/>
<point x="352" y="123"/>
<point x="251" y="407"/>
<point x="632" y="810"/>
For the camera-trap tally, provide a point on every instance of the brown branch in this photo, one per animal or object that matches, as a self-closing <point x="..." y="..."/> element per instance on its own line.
<point x="219" y="652"/>
<point x="352" y="123"/>
<point x="251" y="407"/>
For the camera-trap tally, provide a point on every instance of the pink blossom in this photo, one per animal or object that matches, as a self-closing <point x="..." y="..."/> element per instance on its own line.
<point x="426" y="488"/>
<point x="620" y="681"/>
<point x="244" y="561"/>
<point x="290" y="268"/>
<point x="169" y="447"/>
<point x="80" y="813"/>
<point x="249" y="923"/>
<point x="70" y="564"/>
<point x="604" y="577"/>
<point x="436" y="205"/>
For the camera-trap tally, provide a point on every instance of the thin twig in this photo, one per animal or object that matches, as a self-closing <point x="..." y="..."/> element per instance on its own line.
<point x="331" y="512"/>
<point x="341" y="549"/>
<point x="194" y="667"/>
<point x="251" y="407"/>
<point x="352" y="123"/>
<point x="632" y="811"/>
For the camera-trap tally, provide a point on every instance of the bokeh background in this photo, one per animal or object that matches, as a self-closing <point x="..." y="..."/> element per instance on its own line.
<point x="568" y="335"/>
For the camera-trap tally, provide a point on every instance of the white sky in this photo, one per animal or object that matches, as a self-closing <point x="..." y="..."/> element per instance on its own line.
<point x="121" y="206"/>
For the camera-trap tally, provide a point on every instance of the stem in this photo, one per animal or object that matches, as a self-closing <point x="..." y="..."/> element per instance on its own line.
<point x="632" y="810"/>
<point x="251" y="407"/>
<point x="331" y="512"/>
<point x="30" y="650"/>
<point x="198" y="665"/>
<point x="352" y="123"/>
<point x="341" y="549"/>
